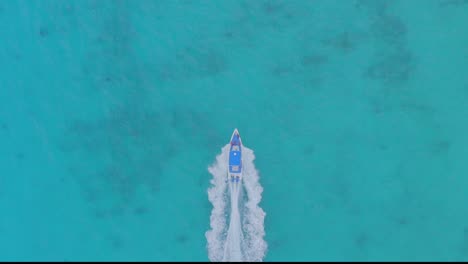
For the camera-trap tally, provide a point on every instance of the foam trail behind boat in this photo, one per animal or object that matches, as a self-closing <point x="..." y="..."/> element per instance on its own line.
<point x="237" y="222"/>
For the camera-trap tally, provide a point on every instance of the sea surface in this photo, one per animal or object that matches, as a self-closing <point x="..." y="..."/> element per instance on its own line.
<point x="112" y="111"/>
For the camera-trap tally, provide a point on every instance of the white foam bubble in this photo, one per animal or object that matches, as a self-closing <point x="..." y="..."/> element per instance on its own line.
<point x="236" y="235"/>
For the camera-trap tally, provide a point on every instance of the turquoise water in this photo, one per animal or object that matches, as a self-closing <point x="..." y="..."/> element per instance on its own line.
<point x="112" y="111"/>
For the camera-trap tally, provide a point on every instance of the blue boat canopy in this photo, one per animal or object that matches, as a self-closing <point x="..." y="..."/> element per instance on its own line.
<point x="235" y="161"/>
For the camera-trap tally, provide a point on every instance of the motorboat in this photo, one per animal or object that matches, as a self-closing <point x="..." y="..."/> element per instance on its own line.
<point x="235" y="158"/>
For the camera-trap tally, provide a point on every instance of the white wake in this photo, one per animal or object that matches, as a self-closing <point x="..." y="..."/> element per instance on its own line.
<point x="236" y="221"/>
